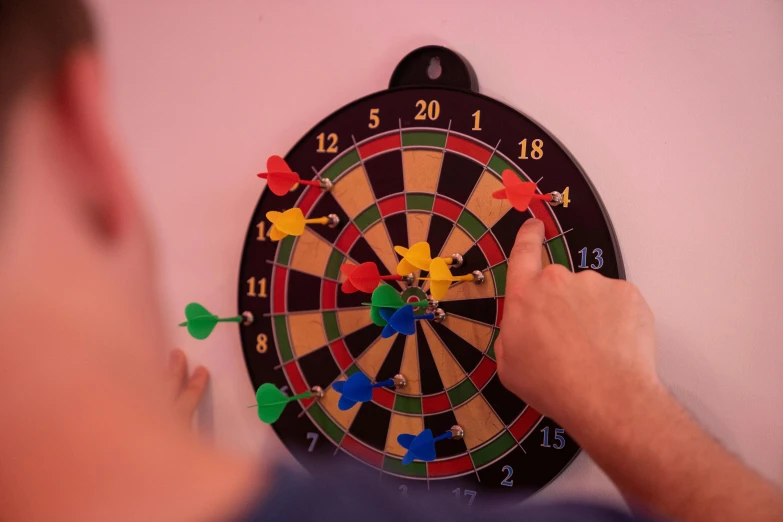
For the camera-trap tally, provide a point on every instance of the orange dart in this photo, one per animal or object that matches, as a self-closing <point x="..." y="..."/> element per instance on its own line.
<point x="292" y="223"/>
<point x="520" y="193"/>
<point x="281" y="179"/>
<point x="441" y="278"/>
<point x="418" y="257"/>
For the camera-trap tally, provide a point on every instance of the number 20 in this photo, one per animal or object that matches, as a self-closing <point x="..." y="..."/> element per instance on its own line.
<point x="599" y="260"/>
<point x="429" y="110"/>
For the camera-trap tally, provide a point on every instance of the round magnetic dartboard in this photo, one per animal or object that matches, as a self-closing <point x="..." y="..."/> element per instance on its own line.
<point x="417" y="162"/>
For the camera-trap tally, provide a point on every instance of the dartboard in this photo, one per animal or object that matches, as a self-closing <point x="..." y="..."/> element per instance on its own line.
<point x="416" y="163"/>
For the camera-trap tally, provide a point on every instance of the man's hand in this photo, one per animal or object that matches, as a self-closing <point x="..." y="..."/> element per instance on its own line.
<point x="187" y="392"/>
<point x="571" y="343"/>
<point x="580" y="348"/>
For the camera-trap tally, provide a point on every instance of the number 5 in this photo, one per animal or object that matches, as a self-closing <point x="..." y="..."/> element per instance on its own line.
<point x="375" y="120"/>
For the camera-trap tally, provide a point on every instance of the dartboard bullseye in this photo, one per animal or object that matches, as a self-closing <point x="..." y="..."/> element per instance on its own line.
<point x="375" y="270"/>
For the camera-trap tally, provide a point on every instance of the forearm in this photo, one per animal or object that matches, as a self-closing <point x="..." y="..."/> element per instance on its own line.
<point x="658" y="455"/>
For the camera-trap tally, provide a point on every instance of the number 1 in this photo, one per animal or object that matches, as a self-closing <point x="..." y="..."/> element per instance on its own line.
<point x="476" y="121"/>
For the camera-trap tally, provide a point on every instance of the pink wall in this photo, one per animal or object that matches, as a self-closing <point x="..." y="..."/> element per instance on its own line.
<point x="673" y="108"/>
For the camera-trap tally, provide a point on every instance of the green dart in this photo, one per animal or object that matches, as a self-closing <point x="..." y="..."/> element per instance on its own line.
<point x="200" y="321"/>
<point x="387" y="297"/>
<point x="271" y="401"/>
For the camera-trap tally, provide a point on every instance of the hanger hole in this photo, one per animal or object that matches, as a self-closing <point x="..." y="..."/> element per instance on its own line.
<point x="434" y="70"/>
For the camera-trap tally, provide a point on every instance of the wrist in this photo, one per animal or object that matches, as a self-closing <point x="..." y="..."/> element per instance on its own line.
<point x="613" y="417"/>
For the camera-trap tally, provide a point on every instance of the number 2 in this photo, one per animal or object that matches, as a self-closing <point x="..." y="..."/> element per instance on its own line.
<point x="509" y="471"/>
<point x="559" y="440"/>
<point x="599" y="260"/>
<point x="403" y="490"/>
<point x="332" y="148"/>
<point x="314" y="438"/>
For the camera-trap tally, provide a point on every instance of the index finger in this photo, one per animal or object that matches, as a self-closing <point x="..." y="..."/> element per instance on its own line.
<point x="525" y="262"/>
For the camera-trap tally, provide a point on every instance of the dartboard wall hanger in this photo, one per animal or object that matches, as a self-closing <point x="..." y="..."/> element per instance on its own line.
<point x="418" y="162"/>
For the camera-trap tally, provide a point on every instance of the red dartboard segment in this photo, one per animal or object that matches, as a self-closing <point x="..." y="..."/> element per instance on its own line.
<point x="524" y="423"/>
<point x="360" y="451"/>
<point x="483" y="372"/>
<point x="347" y="238"/>
<point x="500" y="311"/>
<point x="297" y="381"/>
<point x="455" y="466"/>
<point x="446" y="208"/>
<point x="468" y="148"/>
<point x="392" y="205"/>
<point x="279" y="292"/>
<point x="383" y="397"/>
<point x="309" y="198"/>
<point x="379" y="145"/>
<point x="541" y="211"/>
<point x="435" y="403"/>
<point x="328" y="295"/>
<point x="492" y="251"/>
<point x="341" y="354"/>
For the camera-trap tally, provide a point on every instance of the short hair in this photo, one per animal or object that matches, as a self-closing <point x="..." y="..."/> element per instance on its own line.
<point x="36" y="37"/>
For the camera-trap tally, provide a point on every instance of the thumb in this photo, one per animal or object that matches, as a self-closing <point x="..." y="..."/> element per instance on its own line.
<point x="525" y="262"/>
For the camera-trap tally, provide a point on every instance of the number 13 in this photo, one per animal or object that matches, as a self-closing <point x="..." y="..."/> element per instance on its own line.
<point x="599" y="260"/>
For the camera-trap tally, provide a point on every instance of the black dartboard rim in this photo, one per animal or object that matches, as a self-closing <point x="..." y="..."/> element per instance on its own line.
<point x="290" y="424"/>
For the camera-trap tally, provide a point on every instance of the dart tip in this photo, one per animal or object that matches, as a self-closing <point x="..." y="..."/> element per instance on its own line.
<point x="263" y="175"/>
<point x="183" y="324"/>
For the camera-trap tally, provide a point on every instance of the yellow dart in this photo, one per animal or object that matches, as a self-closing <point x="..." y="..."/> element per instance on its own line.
<point x="292" y="223"/>
<point x="418" y="257"/>
<point x="441" y="278"/>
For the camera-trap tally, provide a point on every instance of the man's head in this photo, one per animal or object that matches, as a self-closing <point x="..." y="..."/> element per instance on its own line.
<point x="75" y="264"/>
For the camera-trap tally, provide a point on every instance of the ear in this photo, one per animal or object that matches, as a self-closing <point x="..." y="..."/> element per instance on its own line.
<point x="94" y="170"/>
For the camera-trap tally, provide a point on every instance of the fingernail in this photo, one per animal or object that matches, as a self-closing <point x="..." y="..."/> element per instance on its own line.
<point x="200" y="373"/>
<point x="532" y="222"/>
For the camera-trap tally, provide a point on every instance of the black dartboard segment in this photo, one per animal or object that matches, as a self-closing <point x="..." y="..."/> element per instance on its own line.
<point x="408" y="165"/>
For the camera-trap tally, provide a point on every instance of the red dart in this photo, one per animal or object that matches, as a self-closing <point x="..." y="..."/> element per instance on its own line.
<point x="281" y="179"/>
<point x="364" y="278"/>
<point x="519" y="192"/>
